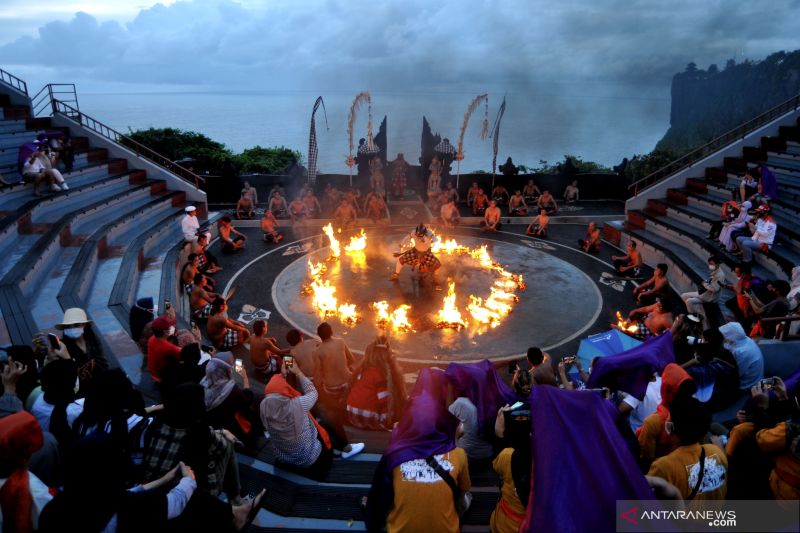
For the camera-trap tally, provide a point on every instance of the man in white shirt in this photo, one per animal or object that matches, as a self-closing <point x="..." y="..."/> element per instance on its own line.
<point x="34" y="171"/>
<point x="639" y="410"/>
<point x="763" y="234"/>
<point x="189" y="224"/>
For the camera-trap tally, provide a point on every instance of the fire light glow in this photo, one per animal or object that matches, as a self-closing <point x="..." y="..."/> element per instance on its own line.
<point x="358" y="243"/>
<point x="449" y="317"/>
<point x="628" y="326"/>
<point x="334" y="243"/>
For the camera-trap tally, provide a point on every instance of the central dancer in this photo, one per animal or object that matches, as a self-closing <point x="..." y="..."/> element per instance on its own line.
<point x="419" y="253"/>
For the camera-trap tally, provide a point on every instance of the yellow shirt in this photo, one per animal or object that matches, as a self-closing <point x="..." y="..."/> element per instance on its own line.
<point x="649" y="435"/>
<point x="422" y="499"/>
<point x="682" y="466"/>
<point x="773" y="441"/>
<point x="501" y="522"/>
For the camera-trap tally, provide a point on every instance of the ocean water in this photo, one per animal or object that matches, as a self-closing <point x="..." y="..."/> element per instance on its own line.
<point x="602" y="126"/>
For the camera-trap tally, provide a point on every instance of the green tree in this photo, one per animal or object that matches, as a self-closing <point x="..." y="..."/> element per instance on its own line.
<point x="177" y="144"/>
<point x="267" y="160"/>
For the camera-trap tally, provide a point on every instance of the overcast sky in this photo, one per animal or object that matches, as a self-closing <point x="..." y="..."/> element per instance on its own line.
<point x="404" y="45"/>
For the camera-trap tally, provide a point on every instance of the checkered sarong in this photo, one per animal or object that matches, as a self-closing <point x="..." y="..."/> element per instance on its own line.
<point x="187" y="288"/>
<point x="230" y="339"/>
<point x="424" y="259"/>
<point x="203" y="312"/>
<point x="644" y="332"/>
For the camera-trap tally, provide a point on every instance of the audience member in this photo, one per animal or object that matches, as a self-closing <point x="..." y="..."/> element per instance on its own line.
<point x="264" y="351"/>
<point x="377" y="396"/>
<point x="781" y="440"/>
<point x="33" y="171"/>
<point x="540" y="372"/>
<point x="708" y="291"/>
<point x="730" y="212"/>
<point x="159" y="349"/>
<point x="763" y="234"/>
<point x="230" y="406"/>
<point x="469" y="435"/>
<point x="82" y="344"/>
<point x="739" y="305"/>
<point x="714" y="370"/>
<point x="207" y="263"/>
<point x="777" y="307"/>
<point x="57" y="408"/>
<point x="513" y="465"/>
<point x="189" y="224"/>
<point x="734" y="227"/>
<point x="637" y="410"/>
<point x="302" y="351"/>
<point x="748" y="186"/>
<point x="46" y="160"/>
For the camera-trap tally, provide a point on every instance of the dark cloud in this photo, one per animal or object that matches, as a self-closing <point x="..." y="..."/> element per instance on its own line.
<point x="410" y="45"/>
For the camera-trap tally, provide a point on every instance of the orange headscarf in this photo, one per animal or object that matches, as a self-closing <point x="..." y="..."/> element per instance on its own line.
<point x="20" y="437"/>
<point x="278" y="385"/>
<point x="671" y="380"/>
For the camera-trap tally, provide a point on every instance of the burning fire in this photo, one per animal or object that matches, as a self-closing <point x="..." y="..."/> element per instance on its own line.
<point x="323" y="294"/>
<point x="494" y="309"/>
<point x="449" y="247"/>
<point x="449" y="316"/>
<point x="316" y="270"/>
<point x="348" y="314"/>
<point x="335" y="249"/>
<point x="358" y="243"/>
<point x="397" y="319"/>
<point x="323" y="297"/>
<point x="628" y="326"/>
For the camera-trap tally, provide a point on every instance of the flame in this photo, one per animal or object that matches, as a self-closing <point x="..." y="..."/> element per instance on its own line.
<point x="358" y="243"/>
<point x="449" y="247"/>
<point x="323" y="297"/>
<point x="348" y="314"/>
<point x="628" y="326"/>
<point x="449" y="316"/>
<point x="494" y="309"/>
<point x="335" y="250"/>
<point x="397" y="319"/>
<point x="316" y="270"/>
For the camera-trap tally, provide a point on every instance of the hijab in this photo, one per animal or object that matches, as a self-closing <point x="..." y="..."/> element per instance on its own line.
<point x="672" y="381"/>
<point x="286" y="417"/>
<point x="20" y="437"/>
<point x="218" y="382"/>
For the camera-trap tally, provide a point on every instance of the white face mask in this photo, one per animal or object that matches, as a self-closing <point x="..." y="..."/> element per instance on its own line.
<point x="712" y="267"/>
<point x="73" y="333"/>
<point x="171" y="331"/>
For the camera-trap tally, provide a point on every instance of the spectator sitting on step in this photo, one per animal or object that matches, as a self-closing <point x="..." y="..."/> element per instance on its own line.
<point x="57" y="407"/>
<point x="160" y="351"/>
<point x="538" y="226"/>
<point x="82" y="344"/>
<point x="190" y="269"/>
<point x="748" y="186"/>
<point x="302" y="350"/>
<point x="245" y="207"/>
<point x="479" y="203"/>
<point x="377" y="396"/>
<point x="450" y="215"/>
<point x="531" y="192"/>
<point x="540" y="372"/>
<point x="264" y="351"/>
<point x="491" y="217"/>
<point x="780" y="440"/>
<point x="729" y="213"/>
<point x="225" y="332"/>
<point x="763" y="234"/>
<point x="732" y="229"/>
<point x="513" y="465"/>
<point x="697" y="470"/>
<point x="207" y="262"/>
<point x="630" y="264"/>
<point x="468" y="435"/>
<point x="230" y="406"/>
<point x="345" y="216"/>
<point x="591" y="242"/>
<point x="651" y="320"/>
<point x="571" y="193"/>
<point x="708" y="291"/>
<point x="637" y="410"/>
<point x="547" y="202"/>
<point x="517" y="206"/>
<point x="46" y="159"/>
<point x="200" y="298"/>
<point x="34" y="172"/>
<point x="500" y="194"/>
<point x="777" y="307"/>
<point x="297" y="210"/>
<point x="654" y="288"/>
<point x="739" y="304"/>
<point x="297" y="439"/>
<point x="472" y="193"/>
<point x="277" y="205"/>
<point x="232" y="240"/>
<point x="190" y="226"/>
<point x="269" y="226"/>
<point x="375" y="208"/>
<point x="714" y="369"/>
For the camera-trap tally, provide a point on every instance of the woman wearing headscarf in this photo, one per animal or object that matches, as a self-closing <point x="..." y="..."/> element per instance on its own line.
<point x="377" y="396"/>
<point x="714" y="371"/>
<point x="513" y="465"/>
<point x="748" y="355"/>
<point x="298" y="440"/>
<point x="654" y="439"/>
<point x="228" y="405"/>
<point x="182" y="434"/>
<point x="729" y="232"/>
<point x="57" y="408"/>
<point x="22" y="494"/>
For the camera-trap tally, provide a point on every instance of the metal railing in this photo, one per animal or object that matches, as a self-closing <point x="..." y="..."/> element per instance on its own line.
<point x="738" y="133"/>
<point x="139" y="149"/>
<point x="42" y="102"/>
<point x="13" y="81"/>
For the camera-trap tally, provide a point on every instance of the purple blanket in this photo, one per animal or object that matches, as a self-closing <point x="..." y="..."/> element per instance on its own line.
<point x="483" y="386"/>
<point x="631" y="371"/>
<point x="581" y="464"/>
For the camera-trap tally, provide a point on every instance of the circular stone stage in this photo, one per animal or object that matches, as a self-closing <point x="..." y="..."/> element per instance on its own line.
<point x="560" y="301"/>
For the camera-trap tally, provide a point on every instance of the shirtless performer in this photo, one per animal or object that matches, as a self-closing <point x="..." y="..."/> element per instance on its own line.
<point x="517" y="206"/>
<point x="232" y="240"/>
<point x="472" y="192"/>
<point x="652" y="321"/>
<point x="200" y="298"/>
<point x="539" y="225"/>
<point x="207" y="263"/>
<point x="420" y="254"/>
<point x="224" y="332"/>
<point x="269" y="226"/>
<point x="591" y="243"/>
<point x="479" y="203"/>
<point x="500" y="194"/>
<point x="264" y="351"/>
<point x="491" y="218"/>
<point x="629" y="265"/>
<point x="245" y="207"/>
<point x="313" y="209"/>
<point x="540" y="372"/>
<point x="189" y="271"/>
<point x="375" y="208"/>
<point x="297" y="210"/>
<point x="531" y="192"/>
<point x="277" y="205"/>
<point x="659" y="286"/>
<point x="345" y="215"/>
<point x="449" y="214"/>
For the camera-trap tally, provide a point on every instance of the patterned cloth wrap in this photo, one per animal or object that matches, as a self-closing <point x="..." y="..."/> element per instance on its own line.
<point x="230" y="339"/>
<point x="643" y="332"/>
<point x="425" y="260"/>
<point x="187" y="288"/>
<point x="203" y="312"/>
